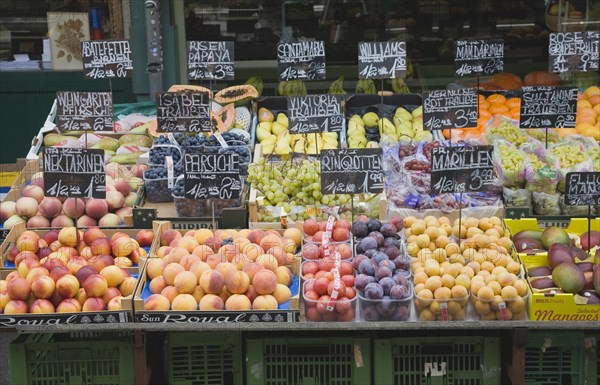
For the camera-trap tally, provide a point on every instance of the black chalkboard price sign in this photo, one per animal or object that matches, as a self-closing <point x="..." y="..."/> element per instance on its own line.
<point x="573" y="51"/>
<point x="461" y="169"/>
<point x="582" y="189"/>
<point x="183" y="112"/>
<point x="352" y="171"/>
<point x="444" y="109"/>
<point x="382" y="60"/>
<point x="74" y="172"/>
<point x="547" y="106"/>
<point x="314" y="113"/>
<point x="212" y="176"/>
<point x="104" y="59"/>
<point x="301" y="61"/>
<point x="479" y="57"/>
<point x="210" y="60"/>
<point x="89" y="111"/>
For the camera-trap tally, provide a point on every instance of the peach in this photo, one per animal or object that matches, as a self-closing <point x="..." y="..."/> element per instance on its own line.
<point x="115" y="200"/>
<point x="7" y="210"/>
<point x="15" y="306"/>
<point x="69" y="305"/>
<point x="4" y="298"/>
<point x="37" y="222"/>
<point x="289" y="246"/>
<point x="237" y="282"/>
<point x="267" y="261"/>
<point x="282" y="293"/>
<point x="95" y="286"/>
<point x="203" y="252"/>
<point x="101" y="246"/>
<point x="224" y="294"/>
<point x="26" y="207"/>
<point x="281" y="256"/>
<point x="74" y="207"/>
<point x="50" y="207"/>
<point x="198" y="268"/>
<point x="229" y="251"/>
<point x="127" y="286"/>
<point x="59" y="271"/>
<point x="91" y="234"/>
<point x="198" y="293"/>
<point x="188" y="243"/>
<point x="163" y="251"/>
<point x="185" y="282"/>
<point x="86" y="221"/>
<point x="18" y="288"/>
<point x="93" y="304"/>
<point x="20" y="257"/>
<point x="111" y="293"/>
<point x="214" y="243"/>
<point x="26" y="265"/>
<point x="225" y="268"/>
<point x="240" y="260"/>
<point x="270" y="240"/>
<point x="252" y="251"/>
<point x="62" y="221"/>
<point x="251" y="269"/>
<point x="81" y="296"/>
<point x="67" y="286"/>
<point x="211" y="302"/>
<point x="50" y="236"/>
<point x="51" y="262"/>
<point x="12" y="252"/>
<point x="255" y="236"/>
<point x="340" y="234"/>
<point x="68" y="236"/>
<point x="251" y="293"/>
<point x="212" y="282"/>
<point x="43" y="287"/>
<point x="76" y="263"/>
<point x="157" y="285"/>
<point x="144" y="238"/>
<point x="171" y="271"/>
<point x="98" y="262"/>
<point x="86" y="253"/>
<point x="264" y="302"/>
<point x="240" y="243"/>
<point x="123" y="187"/>
<point x="27" y="244"/>
<point x="96" y="208"/>
<point x="35" y="273"/>
<point x="33" y="191"/>
<point x="109" y="220"/>
<point x="168" y="236"/>
<point x="184" y="302"/>
<point x="155" y="267"/>
<point x="131" y="199"/>
<point x="265" y="281"/>
<point x="188" y="260"/>
<point x="284" y="275"/>
<point x="170" y="292"/>
<point x="295" y="235"/>
<point x="176" y="254"/>
<point x="238" y="302"/>
<point x="65" y="252"/>
<point x="12" y="275"/>
<point x="113" y="275"/>
<point x="214" y="260"/>
<point x="115" y="304"/>
<point x="123" y="213"/>
<point x="122" y="246"/>
<point x="202" y="235"/>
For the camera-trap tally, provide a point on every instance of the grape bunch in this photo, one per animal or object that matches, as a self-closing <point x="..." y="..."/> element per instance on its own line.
<point x="594" y="153"/>
<point x="568" y="155"/>
<point x="428" y="147"/>
<point x="509" y="132"/>
<point x="418" y="165"/>
<point x="406" y="149"/>
<point x="159" y="153"/>
<point x="511" y="159"/>
<point x="156" y="180"/>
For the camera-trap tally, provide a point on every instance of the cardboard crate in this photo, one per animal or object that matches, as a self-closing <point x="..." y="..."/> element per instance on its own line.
<point x="576" y="226"/>
<point x="286" y="313"/>
<point x="17" y="230"/>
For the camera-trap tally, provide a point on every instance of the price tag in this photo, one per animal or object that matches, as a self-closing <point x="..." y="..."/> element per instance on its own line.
<point x="544" y="107"/>
<point x="315" y="113"/>
<point x="210" y="60"/>
<point x="582" y="189"/>
<point x="103" y="59"/>
<point x="301" y="61"/>
<point x="461" y="169"/>
<point x="183" y="112"/>
<point x="479" y="57"/>
<point x="74" y="172"/>
<point x="212" y="176"/>
<point x="382" y="60"/>
<point x="351" y="171"/>
<point x="88" y="111"/>
<point x="444" y="109"/>
<point x="573" y="51"/>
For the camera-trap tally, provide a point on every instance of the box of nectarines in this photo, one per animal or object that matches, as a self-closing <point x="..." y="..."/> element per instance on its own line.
<point x="220" y="276"/>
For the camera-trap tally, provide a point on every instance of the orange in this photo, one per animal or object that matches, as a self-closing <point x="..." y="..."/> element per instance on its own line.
<point x="592" y="91"/>
<point x="484" y="104"/>
<point x="597" y="109"/>
<point x="485" y="114"/>
<point x="498" y="108"/>
<point x="481" y="122"/>
<point x="514" y="113"/>
<point x="480" y="98"/>
<point x="496" y="98"/>
<point x="583" y="103"/>
<point x="585" y="119"/>
<point x="564" y="132"/>
<point x="513" y="103"/>
<point x="594" y="100"/>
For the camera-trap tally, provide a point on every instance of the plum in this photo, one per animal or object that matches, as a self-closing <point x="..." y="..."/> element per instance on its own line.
<point x="370" y="253"/>
<point x="402" y="313"/>
<point x="398" y="222"/>
<point x="402" y="262"/>
<point x="374" y="224"/>
<point x="359" y="229"/>
<point x="399" y="292"/>
<point x="392" y="251"/>
<point x="388" y="230"/>
<point x="379" y="256"/>
<point x="386" y="284"/>
<point x="382" y="272"/>
<point x="373" y="291"/>
<point x="357" y="260"/>
<point x="391" y="241"/>
<point x="362" y="280"/>
<point x="387" y="263"/>
<point x="378" y="237"/>
<point x="367" y="243"/>
<point x="400" y="279"/>
<point x="386" y="307"/>
<point x="366" y="267"/>
<point x="370" y="313"/>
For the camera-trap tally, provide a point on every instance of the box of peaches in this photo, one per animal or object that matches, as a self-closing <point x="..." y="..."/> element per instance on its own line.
<point x="221" y="276"/>
<point x="70" y="276"/>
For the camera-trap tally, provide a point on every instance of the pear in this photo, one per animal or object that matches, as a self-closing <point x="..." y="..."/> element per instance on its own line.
<point x="417" y="124"/>
<point x="266" y="125"/>
<point x="284" y="138"/>
<point x="357" y="119"/>
<point x="265" y="115"/>
<point x="283" y="149"/>
<point x="331" y="135"/>
<point x="385" y="126"/>
<point x="372" y="144"/>
<point x="402" y="113"/>
<point x="424" y="136"/>
<point x="269" y="139"/>
<point x="262" y="133"/>
<point x="278" y="128"/>
<point x="283" y="119"/>
<point x="405" y="131"/>
<point x="329" y="146"/>
<point x="370" y="119"/>
<point x="417" y="111"/>
<point x="354" y="126"/>
<point x="268" y="148"/>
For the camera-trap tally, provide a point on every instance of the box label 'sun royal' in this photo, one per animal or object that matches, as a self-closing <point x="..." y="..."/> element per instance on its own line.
<point x="218" y="317"/>
<point x="85" y="318"/>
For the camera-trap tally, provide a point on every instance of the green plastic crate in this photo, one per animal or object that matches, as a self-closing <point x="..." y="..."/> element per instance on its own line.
<point x="308" y="361"/>
<point x="437" y="360"/>
<point x="205" y="359"/>
<point x="560" y="358"/>
<point x="56" y="359"/>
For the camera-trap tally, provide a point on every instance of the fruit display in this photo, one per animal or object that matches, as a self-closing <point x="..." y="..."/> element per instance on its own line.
<point x="273" y="135"/>
<point x="320" y="304"/>
<point x="501" y="127"/>
<point x="39" y="211"/>
<point x="499" y="295"/>
<point x="318" y="244"/>
<point x="588" y="113"/>
<point x="224" y="270"/>
<point x="537" y="241"/>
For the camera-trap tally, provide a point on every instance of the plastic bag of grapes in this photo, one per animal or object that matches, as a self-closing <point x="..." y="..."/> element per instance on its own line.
<point x="572" y="157"/>
<point x="541" y="173"/>
<point x="501" y="127"/>
<point x="546" y="204"/>
<point x="516" y="197"/>
<point x="572" y="210"/>
<point x="510" y="163"/>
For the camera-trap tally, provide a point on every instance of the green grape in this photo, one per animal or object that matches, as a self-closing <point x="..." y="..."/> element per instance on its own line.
<point x="568" y="155"/>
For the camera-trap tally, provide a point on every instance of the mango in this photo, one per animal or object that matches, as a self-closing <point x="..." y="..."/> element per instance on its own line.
<point x="527" y="244"/>
<point x="554" y="235"/>
<point x="542" y="283"/>
<point x="531" y="234"/>
<point x="596" y="279"/>
<point x="539" y="271"/>
<point x="558" y="254"/>
<point x="590" y="240"/>
<point x="568" y="277"/>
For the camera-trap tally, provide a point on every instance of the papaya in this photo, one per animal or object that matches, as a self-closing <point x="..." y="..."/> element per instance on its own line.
<point x="236" y="94"/>
<point x="223" y="119"/>
<point x="189" y="88"/>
